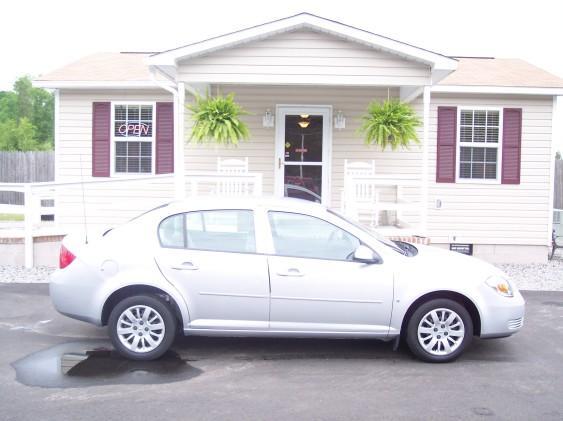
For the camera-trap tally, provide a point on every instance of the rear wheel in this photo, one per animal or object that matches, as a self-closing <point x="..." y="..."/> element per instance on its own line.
<point x="439" y="331"/>
<point x="142" y="327"/>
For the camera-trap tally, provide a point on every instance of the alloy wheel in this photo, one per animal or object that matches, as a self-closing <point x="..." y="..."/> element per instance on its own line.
<point x="140" y="328"/>
<point x="441" y="331"/>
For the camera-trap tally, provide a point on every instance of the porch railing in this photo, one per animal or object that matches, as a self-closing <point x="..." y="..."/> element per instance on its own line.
<point x="94" y="197"/>
<point x="371" y="196"/>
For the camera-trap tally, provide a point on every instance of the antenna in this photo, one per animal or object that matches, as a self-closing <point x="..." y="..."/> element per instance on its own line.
<point x="83" y="201"/>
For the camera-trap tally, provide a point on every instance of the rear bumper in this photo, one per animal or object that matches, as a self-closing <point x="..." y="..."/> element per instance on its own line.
<point x="504" y="316"/>
<point x="73" y="291"/>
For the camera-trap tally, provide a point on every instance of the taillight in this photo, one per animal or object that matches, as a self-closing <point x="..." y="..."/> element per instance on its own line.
<point x="65" y="257"/>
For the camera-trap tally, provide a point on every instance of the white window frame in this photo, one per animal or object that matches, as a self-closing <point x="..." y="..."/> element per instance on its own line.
<point x="114" y="139"/>
<point x="459" y="144"/>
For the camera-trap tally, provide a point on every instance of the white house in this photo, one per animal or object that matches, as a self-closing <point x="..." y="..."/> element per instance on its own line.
<point x="481" y="177"/>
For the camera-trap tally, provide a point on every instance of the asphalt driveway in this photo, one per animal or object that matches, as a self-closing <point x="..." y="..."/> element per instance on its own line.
<point x="226" y="378"/>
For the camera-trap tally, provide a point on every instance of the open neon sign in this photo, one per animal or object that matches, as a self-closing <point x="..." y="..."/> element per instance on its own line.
<point x="134" y="129"/>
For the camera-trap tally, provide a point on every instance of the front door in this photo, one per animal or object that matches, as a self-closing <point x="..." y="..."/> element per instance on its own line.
<point x="316" y="287"/>
<point x="302" y="152"/>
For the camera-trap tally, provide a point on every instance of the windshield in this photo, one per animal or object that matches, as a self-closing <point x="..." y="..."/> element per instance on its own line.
<point x="378" y="236"/>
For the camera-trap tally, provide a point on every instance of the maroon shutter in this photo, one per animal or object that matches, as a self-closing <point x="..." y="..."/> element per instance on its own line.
<point x="446" y="145"/>
<point x="511" y="145"/>
<point x="101" y="130"/>
<point x="164" y="137"/>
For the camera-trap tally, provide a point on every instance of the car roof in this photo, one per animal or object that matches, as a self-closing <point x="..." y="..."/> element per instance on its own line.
<point x="216" y="202"/>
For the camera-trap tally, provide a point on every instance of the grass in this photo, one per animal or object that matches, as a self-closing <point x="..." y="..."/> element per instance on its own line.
<point x="10" y="217"/>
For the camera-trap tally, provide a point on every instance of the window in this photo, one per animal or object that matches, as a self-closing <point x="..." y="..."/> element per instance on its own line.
<point x="306" y="236"/>
<point x="479" y="139"/>
<point x="214" y="230"/>
<point x="133" y="138"/>
<point x="171" y="232"/>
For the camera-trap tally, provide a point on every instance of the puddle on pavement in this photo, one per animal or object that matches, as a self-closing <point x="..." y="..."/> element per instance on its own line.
<point x="83" y="364"/>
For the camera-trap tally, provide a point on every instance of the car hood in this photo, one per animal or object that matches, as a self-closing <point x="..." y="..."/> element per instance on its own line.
<point x="454" y="266"/>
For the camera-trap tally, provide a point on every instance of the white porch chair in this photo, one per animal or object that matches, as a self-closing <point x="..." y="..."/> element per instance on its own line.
<point x="232" y="166"/>
<point x="228" y="184"/>
<point x="359" y="168"/>
<point x="357" y="196"/>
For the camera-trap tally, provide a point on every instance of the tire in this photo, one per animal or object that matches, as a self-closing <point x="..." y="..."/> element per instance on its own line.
<point x="443" y="341"/>
<point x="142" y="327"/>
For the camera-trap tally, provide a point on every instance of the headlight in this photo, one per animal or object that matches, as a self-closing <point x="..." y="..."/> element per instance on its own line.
<point x="500" y="285"/>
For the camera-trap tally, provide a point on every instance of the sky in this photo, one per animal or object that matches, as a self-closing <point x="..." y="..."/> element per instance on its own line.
<point x="39" y="36"/>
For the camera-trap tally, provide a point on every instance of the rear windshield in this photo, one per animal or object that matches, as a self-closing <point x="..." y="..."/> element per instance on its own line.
<point x="149" y="211"/>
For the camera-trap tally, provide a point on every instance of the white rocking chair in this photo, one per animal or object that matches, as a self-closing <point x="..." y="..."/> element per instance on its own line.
<point x="228" y="184"/>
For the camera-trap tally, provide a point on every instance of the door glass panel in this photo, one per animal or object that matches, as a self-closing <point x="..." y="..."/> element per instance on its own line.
<point x="304" y="182"/>
<point x="303" y="138"/>
<point x="306" y="236"/>
<point x="221" y="230"/>
<point x="170" y="231"/>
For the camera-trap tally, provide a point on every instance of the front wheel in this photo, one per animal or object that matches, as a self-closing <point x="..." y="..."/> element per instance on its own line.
<point x="439" y="331"/>
<point x="142" y="327"/>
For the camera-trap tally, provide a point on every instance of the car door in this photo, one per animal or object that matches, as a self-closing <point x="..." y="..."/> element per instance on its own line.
<point x="210" y="256"/>
<point x="315" y="284"/>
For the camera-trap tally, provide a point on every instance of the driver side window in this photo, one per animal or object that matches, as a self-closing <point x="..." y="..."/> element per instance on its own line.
<point x="300" y="235"/>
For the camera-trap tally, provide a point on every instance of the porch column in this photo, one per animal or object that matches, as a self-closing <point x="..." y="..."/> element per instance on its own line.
<point x="179" y="171"/>
<point x="425" y="152"/>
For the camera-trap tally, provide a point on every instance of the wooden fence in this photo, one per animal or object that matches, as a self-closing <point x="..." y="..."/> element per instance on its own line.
<point x="558" y="196"/>
<point x="24" y="167"/>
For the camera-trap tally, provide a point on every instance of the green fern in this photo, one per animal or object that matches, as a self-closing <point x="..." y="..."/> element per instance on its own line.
<point x="390" y="123"/>
<point x="217" y="119"/>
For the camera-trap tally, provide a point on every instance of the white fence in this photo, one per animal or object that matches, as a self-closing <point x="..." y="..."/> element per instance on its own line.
<point x="114" y="200"/>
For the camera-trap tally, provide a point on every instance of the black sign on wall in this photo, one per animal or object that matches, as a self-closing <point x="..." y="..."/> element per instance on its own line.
<point x="462" y="248"/>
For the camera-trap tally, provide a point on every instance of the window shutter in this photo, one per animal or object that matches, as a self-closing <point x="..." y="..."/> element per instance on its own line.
<point x="164" y="137"/>
<point x="446" y="145"/>
<point x="511" y="145"/>
<point x="101" y="134"/>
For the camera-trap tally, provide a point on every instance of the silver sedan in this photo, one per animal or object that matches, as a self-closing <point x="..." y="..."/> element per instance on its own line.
<point x="277" y="267"/>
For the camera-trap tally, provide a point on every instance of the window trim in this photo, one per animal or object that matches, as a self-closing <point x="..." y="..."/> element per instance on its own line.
<point x="498" y="179"/>
<point x="275" y="254"/>
<point x="113" y="139"/>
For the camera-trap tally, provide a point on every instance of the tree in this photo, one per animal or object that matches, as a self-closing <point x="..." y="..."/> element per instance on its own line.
<point x="26" y="117"/>
<point x="19" y="136"/>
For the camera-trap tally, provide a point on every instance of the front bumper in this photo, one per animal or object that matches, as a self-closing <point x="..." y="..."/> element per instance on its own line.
<point x="501" y="316"/>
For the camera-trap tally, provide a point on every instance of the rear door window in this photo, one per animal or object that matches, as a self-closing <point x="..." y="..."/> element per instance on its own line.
<point x="213" y="230"/>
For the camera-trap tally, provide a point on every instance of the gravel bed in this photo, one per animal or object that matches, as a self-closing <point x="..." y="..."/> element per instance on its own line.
<point x="11" y="274"/>
<point x="541" y="277"/>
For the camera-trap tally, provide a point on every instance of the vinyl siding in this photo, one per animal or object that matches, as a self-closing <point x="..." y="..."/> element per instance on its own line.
<point x="497" y="213"/>
<point x="105" y="203"/>
<point x="304" y="57"/>
<point x="474" y="213"/>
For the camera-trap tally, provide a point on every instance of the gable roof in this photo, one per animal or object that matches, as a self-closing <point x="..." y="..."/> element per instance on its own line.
<point x="304" y="21"/>
<point x="130" y="69"/>
<point x="500" y="72"/>
<point x="101" y="70"/>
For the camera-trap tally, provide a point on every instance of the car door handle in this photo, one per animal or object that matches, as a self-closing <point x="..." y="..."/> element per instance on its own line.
<point x="186" y="266"/>
<point x="291" y="272"/>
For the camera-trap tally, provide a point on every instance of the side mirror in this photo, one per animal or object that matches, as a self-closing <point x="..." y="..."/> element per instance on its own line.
<point x="364" y="254"/>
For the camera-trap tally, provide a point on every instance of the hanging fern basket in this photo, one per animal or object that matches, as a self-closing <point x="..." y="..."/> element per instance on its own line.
<point x="217" y="120"/>
<point x="390" y="123"/>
